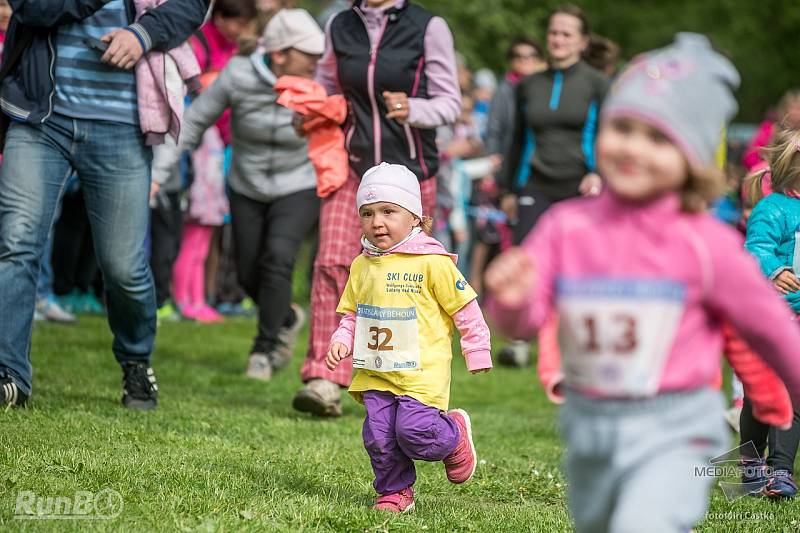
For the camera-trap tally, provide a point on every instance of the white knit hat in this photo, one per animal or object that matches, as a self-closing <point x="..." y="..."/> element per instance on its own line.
<point x="390" y="183"/>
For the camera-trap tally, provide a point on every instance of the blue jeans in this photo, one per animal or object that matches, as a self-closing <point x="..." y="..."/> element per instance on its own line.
<point x="113" y="166"/>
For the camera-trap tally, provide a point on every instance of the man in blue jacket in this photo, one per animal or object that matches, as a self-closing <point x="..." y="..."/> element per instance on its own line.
<point x="73" y="108"/>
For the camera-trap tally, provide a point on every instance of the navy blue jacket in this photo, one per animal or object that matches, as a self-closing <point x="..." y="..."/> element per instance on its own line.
<point x="26" y="93"/>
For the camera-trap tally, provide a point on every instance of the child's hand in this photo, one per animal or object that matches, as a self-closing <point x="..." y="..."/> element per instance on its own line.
<point x="510" y="277"/>
<point x="479" y="370"/>
<point x="786" y="282"/>
<point x="591" y="185"/>
<point x="336" y="353"/>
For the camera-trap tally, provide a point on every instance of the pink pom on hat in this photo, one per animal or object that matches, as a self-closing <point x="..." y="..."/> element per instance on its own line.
<point x="390" y="183"/>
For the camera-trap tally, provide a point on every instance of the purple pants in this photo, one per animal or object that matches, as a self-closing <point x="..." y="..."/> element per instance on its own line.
<point x="398" y="430"/>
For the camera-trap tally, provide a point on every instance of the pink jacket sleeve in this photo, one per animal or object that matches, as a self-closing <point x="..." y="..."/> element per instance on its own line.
<point x="739" y="292"/>
<point x="523" y="321"/>
<point x="764" y="389"/>
<point x="443" y="104"/>
<point x="549" y="361"/>
<point x="327" y="70"/>
<point x="475" y="337"/>
<point x="346" y="332"/>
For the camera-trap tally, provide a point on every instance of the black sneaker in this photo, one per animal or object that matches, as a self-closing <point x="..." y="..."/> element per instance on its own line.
<point x="10" y="394"/>
<point x="139" y="388"/>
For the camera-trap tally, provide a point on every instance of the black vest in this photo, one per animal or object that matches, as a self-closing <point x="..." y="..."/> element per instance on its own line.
<point x="399" y="66"/>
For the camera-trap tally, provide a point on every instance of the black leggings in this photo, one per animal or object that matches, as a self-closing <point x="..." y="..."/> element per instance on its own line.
<point x="166" y="225"/>
<point x="267" y="237"/>
<point x="782" y="444"/>
<point x="74" y="263"/>
<point x="531" y="205"/>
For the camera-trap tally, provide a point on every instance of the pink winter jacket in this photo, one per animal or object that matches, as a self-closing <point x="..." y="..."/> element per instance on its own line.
<point x="161" y="83"/>
<point x="475" y="338"/>
<point x="616" y="271"/>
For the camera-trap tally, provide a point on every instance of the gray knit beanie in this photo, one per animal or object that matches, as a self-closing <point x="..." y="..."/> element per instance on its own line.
<point x="685" y="90"/>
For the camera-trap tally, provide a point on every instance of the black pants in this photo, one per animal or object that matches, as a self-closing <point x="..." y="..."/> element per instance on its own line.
<point x="228" y="288"/>
<point x="74" y="262"/>
<point x="782" y="444"/>
<point x="166" y="225"/>
<point x="532" y="204"/>
<point x="267" y="237"/>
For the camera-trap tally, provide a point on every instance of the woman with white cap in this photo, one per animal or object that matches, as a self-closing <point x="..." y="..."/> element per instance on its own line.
<point x="273" y="184"/>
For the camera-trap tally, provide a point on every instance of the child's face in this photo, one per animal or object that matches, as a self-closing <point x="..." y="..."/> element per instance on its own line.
<point x="5" y="14"/>
<point x="638" y="162"/>
<point x="384" y="224"/>
<point x="232" y="28"/>
<point x="293" y="62"/>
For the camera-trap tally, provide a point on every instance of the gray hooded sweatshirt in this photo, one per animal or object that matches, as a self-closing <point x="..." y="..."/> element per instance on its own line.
<point x="269" y="159"/>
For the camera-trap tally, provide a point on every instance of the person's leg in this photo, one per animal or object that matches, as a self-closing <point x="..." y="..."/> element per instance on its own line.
<point x="47" y="308"/>
<point x="247" y="225"/>
<point x="753" y="433"/>
<point x="664" y="463"/>
<point x="213" y="264"/>
<point x="589" y="444"/>
<point x="67" y="242"/>
<point x="423" y="432"/>
<point x="197" y="268"/>
<point x="35" y="167"/>
<point x="229" y="292"/>
<point x="338" y="246"/>
<point x="782" y="453"/>
<point x="532" y="204"/>
<point x="393" y="469"/>
<point x="288" y="221"/>
<point x="113" y="166"/>
<point x="783" y="445"/>
<point x="165" y="231"/>
<point x="182" y="271"/>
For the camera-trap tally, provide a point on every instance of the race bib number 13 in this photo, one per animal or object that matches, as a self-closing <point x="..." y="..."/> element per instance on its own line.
<point x="616" y="334"/>
<point x="386" y="339"/>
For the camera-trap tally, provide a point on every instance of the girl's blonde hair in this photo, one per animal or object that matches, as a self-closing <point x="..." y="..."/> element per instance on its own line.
<point x="703" y="185"/>
<point x="783" y="157"/>
<point x="426" y="224"/>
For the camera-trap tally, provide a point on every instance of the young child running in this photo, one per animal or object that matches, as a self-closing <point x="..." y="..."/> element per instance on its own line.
<point x="772" y="239"/>
<point x="402" y="297"/>
<point x="641" y="279"/>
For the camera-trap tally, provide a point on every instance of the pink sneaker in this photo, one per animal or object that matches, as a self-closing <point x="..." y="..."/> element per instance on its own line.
<point x="203" y="313"/>
<point x="398" y="502"/>
<point x="460" y="464"/>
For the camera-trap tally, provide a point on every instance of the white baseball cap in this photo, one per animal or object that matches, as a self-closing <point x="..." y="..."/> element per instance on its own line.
<point x="293" y="28"/>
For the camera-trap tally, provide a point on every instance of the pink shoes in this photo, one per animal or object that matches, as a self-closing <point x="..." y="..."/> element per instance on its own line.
<point x="398" y="502"/>
<point x="460" y="464"/>
<point x="202" y="313"/>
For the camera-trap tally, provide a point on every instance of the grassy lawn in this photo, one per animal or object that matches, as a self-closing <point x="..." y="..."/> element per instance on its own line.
<point x="224" y="453"/>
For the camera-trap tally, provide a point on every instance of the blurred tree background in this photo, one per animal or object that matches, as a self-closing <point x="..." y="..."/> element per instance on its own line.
<point x="762" y="37"/>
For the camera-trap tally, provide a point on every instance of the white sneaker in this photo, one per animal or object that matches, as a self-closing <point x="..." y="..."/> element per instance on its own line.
<point x="259" y="366"/>
<point x="732" y="416"/>
<point x="52" y="312"/>
<point x="515" y="354"/>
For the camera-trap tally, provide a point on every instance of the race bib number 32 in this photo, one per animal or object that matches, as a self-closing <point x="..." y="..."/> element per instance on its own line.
<point x="387" y="339"/>
<point x="616" y="334"/>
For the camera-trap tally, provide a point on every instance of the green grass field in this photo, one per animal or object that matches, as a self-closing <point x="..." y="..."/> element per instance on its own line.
<point x="224" y="453"/>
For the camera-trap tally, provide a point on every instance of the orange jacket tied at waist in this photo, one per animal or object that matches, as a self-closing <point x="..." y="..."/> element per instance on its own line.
<point x="323" y="115"/>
